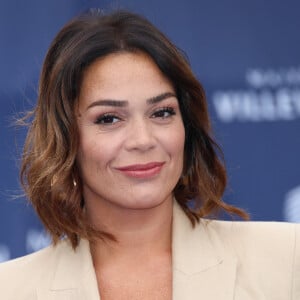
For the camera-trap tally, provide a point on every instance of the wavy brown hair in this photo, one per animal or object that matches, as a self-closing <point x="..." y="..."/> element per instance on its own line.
<point x="49" y="170"/>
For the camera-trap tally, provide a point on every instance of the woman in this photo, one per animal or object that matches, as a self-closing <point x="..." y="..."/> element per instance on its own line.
<point x="121" y="168"/>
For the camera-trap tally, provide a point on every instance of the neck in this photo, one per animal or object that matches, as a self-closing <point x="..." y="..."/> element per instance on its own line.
<point x="140" y="233"/>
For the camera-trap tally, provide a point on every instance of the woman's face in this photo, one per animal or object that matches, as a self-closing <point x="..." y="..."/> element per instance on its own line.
<point x="131" y="133"/>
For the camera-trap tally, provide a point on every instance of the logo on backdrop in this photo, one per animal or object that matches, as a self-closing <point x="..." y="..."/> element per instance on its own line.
<point x="4" y="253"/>
<point x="291" y="207"/>
<point x="271" y="95"/>
<point x="35" y="240"/>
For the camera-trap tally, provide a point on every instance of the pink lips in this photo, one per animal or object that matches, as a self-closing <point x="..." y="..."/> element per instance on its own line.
<point x="142" y="170"/>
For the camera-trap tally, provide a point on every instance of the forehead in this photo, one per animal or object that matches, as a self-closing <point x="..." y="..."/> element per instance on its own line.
<point x="121" y="75"/>
<point x="120" y="63"/>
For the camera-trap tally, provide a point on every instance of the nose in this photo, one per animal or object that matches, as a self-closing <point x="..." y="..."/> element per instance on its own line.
<point x="140" y="136"/>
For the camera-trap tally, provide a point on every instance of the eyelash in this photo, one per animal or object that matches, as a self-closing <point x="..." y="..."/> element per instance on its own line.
<point x="102" y="120"/>
<point x="107" y="119"/>
<point x="169" y="110"/>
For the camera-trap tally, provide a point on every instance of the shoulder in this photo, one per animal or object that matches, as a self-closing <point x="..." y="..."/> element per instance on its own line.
<point x="245" y="237"/>
<point x="267" y="252"/>
<point x="43" y="258"/>
<point x="263" y="256"/>
<point x="30" y="271"/>
<point x="278" y="237"/>
<point x="17" y="265"/>
<point x="252" y="228"/>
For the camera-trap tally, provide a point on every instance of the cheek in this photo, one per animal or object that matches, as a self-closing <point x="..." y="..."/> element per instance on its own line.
<point x="174" y="142"/>
<point x="89" y="154"/>
<point x="179" y="138"/>
<point x="97" y="152"/>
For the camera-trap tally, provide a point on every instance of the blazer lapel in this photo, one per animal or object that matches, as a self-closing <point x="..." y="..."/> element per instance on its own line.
<point x="73" y="276"/>
<point x="200" y="267"/>
<point x="201" y="270"/>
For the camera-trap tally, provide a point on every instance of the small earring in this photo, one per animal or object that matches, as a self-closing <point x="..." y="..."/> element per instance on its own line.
<point x="74" y="182"/>
<point x="53" y="180"/>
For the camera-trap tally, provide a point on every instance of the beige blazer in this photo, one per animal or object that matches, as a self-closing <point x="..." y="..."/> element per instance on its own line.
<point x="217" y="260"/>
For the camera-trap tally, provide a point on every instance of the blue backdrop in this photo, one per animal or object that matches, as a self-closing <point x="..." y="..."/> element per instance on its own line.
<point x="246" y="54"/>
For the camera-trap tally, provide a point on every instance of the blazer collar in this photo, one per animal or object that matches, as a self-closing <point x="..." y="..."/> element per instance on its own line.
<point x="201" y="269"/>
<point x="73" y="277"/>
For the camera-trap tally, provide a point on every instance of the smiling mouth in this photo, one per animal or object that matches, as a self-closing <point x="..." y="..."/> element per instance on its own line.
<point x="142" y="171"/>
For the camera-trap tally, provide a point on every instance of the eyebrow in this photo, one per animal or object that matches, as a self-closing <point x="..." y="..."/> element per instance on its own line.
<point x="159" y="98"/>
<point x="123" y="103"/>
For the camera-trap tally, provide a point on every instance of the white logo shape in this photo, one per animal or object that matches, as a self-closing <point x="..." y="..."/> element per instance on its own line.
<point x="292" y="205"/>
<point x="4" y="253"/>
<point x="36" y="240"/>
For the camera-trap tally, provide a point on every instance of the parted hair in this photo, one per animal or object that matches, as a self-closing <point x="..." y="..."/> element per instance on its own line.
<point x="49" y="170"/>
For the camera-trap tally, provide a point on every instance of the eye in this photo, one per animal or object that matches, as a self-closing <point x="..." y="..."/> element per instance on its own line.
<point x="107" y="119"/>
<point x="164" y="113"/>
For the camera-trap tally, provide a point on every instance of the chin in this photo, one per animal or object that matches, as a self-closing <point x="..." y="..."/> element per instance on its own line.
<point x="146" y="202"/>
